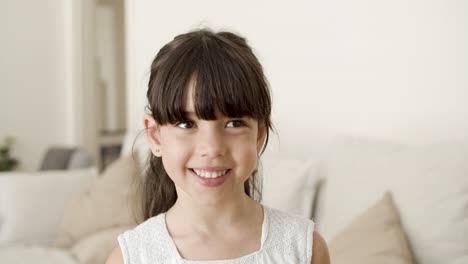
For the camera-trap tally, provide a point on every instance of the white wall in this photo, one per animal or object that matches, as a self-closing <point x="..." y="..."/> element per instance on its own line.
<point x="42" y="100"/>
<point x="387" y="69"/>
<point x="109" y="55"/>
<point x="32" y="77"/>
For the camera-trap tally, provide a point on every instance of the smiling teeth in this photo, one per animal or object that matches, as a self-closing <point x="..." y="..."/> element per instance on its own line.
<point x="209" y="174"/>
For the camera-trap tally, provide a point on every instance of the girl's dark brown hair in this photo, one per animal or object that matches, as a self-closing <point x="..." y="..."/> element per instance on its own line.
<point x="227" y="77"/>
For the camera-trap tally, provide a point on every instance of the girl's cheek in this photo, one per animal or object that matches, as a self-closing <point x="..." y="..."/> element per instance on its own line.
<point x="247" y="153"/>
<point x="176" y="141"/>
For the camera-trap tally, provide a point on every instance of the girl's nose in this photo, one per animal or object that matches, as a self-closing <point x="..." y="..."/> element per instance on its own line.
<point x="211" y="143"/>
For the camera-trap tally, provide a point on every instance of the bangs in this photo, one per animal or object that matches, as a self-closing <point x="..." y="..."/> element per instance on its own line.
<point x="223" y="71"/>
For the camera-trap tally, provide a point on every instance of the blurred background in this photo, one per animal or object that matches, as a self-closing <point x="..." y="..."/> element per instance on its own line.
<point x="74" y="73"/>
<point x="63" y="77"/>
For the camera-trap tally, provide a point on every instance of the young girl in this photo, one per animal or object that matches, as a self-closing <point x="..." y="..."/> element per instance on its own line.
<point x="210" y="117"/>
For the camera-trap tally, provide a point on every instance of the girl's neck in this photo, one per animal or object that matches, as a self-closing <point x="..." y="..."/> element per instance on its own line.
<point x="214" y="218"/>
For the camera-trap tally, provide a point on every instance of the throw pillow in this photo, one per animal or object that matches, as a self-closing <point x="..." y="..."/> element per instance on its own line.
<point x="95" y="248"/>
<point x="429" y="184"/>
<point x="110" y="202"/>
<point x="376" y="236"/>
<point x="289" y="184"/>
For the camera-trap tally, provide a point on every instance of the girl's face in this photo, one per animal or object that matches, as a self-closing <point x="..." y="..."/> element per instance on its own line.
<point x="208" y="160"/>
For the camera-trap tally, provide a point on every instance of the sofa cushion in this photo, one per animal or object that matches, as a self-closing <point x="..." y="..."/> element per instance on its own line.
<point x="429" y="184"/>
<point x="40" y="197"/>
<point x="81" y="158"/>
<point x="376" y="236"/>
<point x="110" y="202"/>
<point x="35" y="254"/>
<point x="56" y="158"/>
<point x="95" y="248"/>
<point x="289" y="184"/>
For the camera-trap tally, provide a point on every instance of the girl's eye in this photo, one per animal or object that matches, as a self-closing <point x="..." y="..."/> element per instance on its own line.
<point x="186" y="124"/>
<point x="236" y="123"/>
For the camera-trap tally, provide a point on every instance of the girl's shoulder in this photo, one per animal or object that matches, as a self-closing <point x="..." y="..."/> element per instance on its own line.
<point x="115" y="257"/>
<point x="155" y="222"/>
<point x="278" y="218"/>
<point x="154" y="226"/>
<point x="152" y="233"/>
<point x="289" y="234"/>
<point x="286" y="227"/>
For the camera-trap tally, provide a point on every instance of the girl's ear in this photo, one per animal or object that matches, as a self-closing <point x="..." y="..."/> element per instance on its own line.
<point x="153" y="135"/>
<point x="261" y="135"/>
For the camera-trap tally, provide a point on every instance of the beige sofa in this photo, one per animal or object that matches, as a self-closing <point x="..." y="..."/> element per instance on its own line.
<point x="373" y="201"/>
<point x="66" y="217"/>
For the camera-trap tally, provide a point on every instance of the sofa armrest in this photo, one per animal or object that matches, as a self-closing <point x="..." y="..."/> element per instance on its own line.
<point x="32" y="203"/>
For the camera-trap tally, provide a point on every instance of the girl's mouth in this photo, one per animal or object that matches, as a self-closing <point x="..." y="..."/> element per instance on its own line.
<point x="210" y="178"/>
<point x="210" y="174"/>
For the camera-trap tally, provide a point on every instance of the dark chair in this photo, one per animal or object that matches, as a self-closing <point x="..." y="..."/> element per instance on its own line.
<point x="66" y="158"/>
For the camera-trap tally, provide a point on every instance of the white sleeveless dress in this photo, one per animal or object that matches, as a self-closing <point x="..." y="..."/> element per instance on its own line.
<point x="285" y="239"/>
